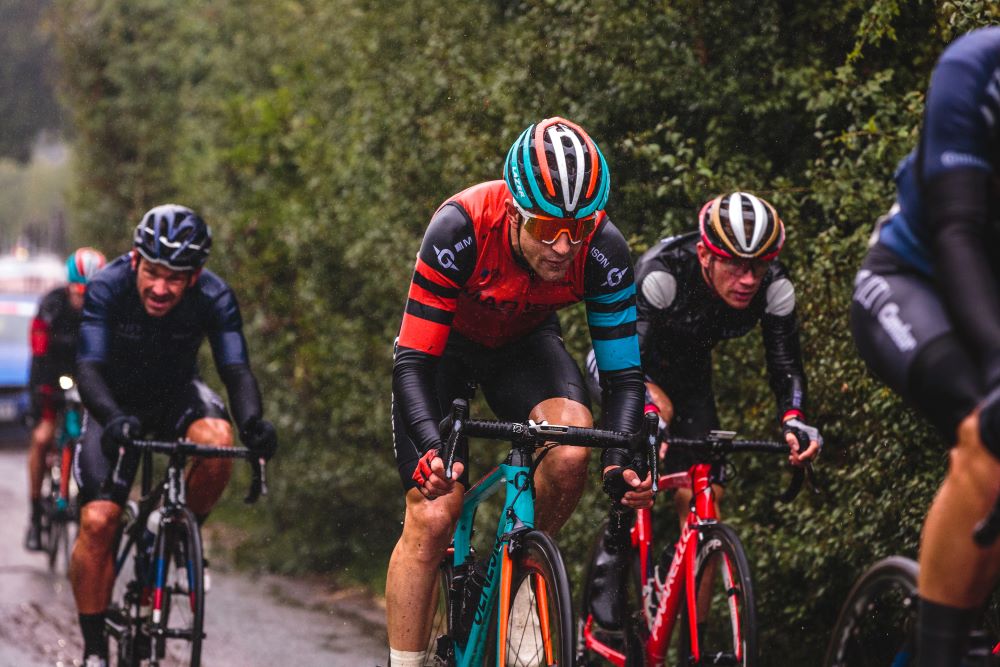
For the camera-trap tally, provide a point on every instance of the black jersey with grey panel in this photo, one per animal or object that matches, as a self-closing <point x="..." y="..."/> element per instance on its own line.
<point x="129" y="361"/>
<point x="681" y="320"/>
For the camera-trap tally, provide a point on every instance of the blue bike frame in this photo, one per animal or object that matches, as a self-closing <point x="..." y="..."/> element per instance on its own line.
<point x="518" y="511"/>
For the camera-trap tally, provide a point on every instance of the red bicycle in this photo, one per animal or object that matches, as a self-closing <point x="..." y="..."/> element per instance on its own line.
<point x="706" y="583"/>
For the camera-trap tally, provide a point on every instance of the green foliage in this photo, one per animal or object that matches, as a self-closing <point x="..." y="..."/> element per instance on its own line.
<point x="317" y="137"/>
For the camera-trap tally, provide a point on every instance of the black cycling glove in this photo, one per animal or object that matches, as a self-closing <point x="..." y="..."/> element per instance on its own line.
<point x="260" y="437"/>
<point x="119" y="432"/>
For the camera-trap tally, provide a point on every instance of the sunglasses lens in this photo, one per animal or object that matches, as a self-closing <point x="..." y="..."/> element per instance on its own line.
<point x="547" y="230"/>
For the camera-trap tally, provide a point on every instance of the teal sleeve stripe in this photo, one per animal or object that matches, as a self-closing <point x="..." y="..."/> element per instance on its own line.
<point x="615" y="355"/>
<point x="597" y="319"/>
<point x="620" y="295"/>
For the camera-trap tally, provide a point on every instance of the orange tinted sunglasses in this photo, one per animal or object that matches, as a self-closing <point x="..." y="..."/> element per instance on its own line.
<point x="547" y="230"/>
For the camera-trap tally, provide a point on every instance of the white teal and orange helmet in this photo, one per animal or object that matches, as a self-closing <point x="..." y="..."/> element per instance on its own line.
<point x="555" y="170"/>
<point x="82" y="264"/>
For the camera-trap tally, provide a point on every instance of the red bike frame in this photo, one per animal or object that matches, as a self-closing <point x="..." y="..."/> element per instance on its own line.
<point x="679" y="583"/>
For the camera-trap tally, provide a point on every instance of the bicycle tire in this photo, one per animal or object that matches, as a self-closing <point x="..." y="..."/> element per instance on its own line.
<point x="58" y="543"/>
<point x="178" y="632"/>
<point x="540" y="624"/>
<point x="123" y="615"/>
<point x="439" y="628"/>
<point x="728" y="635"/>
<point x="877" y="622"/>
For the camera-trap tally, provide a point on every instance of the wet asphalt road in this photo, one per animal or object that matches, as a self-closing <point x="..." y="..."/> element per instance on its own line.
<point x="250" y="620"/>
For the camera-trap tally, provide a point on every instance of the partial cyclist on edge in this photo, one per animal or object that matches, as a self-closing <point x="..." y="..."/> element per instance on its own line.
<point x="144" y="319"/>
<point x="496" y="263"/>
<point x="926" y="319"/>
<point x="54" y="334"/>
<point x="695" y="290"/>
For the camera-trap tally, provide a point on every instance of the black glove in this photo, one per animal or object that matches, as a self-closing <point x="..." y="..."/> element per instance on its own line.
<point x="119" y="432"/>
<point x="803" y="433"/>
<point x="260" y="437"/>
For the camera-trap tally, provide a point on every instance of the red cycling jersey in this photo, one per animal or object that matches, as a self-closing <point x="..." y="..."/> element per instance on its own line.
<point x="467" y="270"/>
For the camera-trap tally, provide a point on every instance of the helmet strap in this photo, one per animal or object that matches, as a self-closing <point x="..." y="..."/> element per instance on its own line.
<point x="517" y="252"/>
<point x="708" y="273"/>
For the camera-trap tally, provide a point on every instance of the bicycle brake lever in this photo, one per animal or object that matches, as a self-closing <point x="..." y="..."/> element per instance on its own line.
<point x="794" y="486"/>
<point x="459" y="412"/>
<point x="258" y="484"/>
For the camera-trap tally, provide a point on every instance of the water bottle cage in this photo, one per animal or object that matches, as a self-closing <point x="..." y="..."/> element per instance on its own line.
<point x="467" y="584"/>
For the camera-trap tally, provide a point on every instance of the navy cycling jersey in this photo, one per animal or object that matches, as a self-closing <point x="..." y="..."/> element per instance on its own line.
<point x="141" y="359"/>
<point x="945" y="223"/>
<point x="681" y="320"/>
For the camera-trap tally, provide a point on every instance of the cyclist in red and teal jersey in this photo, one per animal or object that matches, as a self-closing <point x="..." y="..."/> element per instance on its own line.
<point x="926" y="319"/>
<point x="497" y="262"/>
<point x="54" y="334"/>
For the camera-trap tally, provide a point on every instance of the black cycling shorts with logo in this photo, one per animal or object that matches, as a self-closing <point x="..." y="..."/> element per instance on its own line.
<point x="904" y="334"/>
<point x="514" y="378"/>
<point x="167" y="421"/>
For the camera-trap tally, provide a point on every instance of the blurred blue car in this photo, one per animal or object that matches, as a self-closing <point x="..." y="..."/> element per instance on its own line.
<point x="16" y="313"/>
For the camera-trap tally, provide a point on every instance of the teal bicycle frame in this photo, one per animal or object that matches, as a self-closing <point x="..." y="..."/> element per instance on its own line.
<point x="518" y="516"/>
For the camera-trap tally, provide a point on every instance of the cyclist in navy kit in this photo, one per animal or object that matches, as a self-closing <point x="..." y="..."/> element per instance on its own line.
<point x="144" y="319"/>
<point x="926" y="319"/>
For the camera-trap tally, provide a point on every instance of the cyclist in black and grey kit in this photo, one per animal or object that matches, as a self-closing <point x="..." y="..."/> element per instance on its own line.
<point x="144" y="319"/>
<point x="693" y="291"/>
<point x="926" y="319"/>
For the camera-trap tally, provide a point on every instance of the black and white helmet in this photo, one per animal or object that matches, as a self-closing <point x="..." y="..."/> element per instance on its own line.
<point x="174" y="236"/>
<point x="741" y="225"/>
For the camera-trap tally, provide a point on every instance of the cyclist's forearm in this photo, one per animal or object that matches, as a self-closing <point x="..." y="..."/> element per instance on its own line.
<point x="95" y="393"/>
<point x="413" y="393"/>
<point x="784" y="362"/>
<point x="958" y="212"/>
<point x="244" y="393"/>
<point x="623" y="394"/>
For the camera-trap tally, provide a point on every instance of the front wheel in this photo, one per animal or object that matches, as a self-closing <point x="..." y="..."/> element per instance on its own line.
<point x="726" y="615"/>
<point x="877" y="623"/>
<point x="539" y="628"/>
<point x="177" y="628"/>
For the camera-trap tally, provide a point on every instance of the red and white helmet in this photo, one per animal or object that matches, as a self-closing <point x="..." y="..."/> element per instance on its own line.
<point x="741" y="225"/>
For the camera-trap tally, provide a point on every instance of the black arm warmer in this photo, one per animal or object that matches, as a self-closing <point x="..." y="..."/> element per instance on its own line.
<point x="783" y="352"/>
<point x="958" y="212"/>
<point x="413" y="394"/>
<point x="622" y="396"/>
<point x="95" y="393"/>
<point x="244" y="394"/>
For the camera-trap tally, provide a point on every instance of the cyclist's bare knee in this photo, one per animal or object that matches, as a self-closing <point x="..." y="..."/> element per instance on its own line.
<point x="211" y="431"/>
<point x="562" y="411"/>
<point x="98" y="522"/>
<point x="429" y="524"/>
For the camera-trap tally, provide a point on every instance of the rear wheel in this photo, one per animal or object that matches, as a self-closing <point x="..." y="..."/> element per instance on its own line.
<point x="123" y="616"/>
<point x="877" y="623"/>
<point x="539" y="628"/>
<point x="178" y="630"/>
<point x="727" y="620"/>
